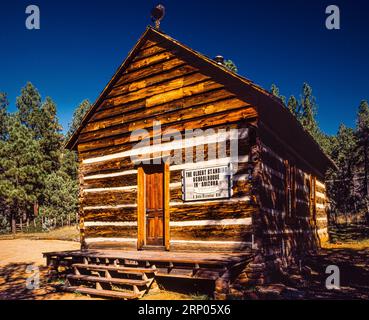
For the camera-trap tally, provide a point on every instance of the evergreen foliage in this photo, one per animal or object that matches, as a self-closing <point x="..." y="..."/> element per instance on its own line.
<point x="38" y="177"/>
<point x="275" y="92"/>
<point x="230" y="65"/>
<point x="78" y="115"/>
<point x="348" y="187"/>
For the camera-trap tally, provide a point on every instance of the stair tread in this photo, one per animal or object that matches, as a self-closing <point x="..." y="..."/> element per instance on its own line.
<point x="114" y="268"/>
<point x="108" y="280"/>
<point x="103" y="293"/>
<point x="187" y="276"/>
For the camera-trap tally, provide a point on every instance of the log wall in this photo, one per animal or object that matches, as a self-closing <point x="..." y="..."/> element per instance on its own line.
<point x="293" y="206"/>
<point x="158" y="86"/>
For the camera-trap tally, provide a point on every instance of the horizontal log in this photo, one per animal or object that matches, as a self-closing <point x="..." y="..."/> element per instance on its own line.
<point x="200" y="149"/>
<point x="110" y="215"/>
<point x="210" y="246"/>
<point x="272" y="180"/>
<point x="109" y="198"/>
<point x="193" y="80"/>
<point x="152" y="81"/>
<point x="272" y="200"/>
<point x="125" y="114"/>
<point x="107" y="167"/>
<point x="176" y="195"/>
<point x="176" y="176"/>
<point x="137" y="108"/>
<point x="148" y="52"/>
<point x="110" y="232"/>
<point x="234" y="233"/>
<point x="173" y="116"/>
<point x="124" y="166"/>
<point x="124" y="138"/>
<point x="271" y="162"/>
<point x="212" y="211"/>
<point x="211" y="147"/>
<point x="120" y="181"/>
<point x="128" y="142"/>
<point x="146" y="62"/>
<point x="153" y="70"/>
<point x="186" y="123"/>
<point x="115" y="245"/>
<point x="149" y="43"/>
<point x="183" y="92"/>
<point x="241" y="188"/>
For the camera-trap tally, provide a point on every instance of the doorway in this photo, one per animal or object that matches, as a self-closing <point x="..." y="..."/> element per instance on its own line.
<point x="153" y="207"/>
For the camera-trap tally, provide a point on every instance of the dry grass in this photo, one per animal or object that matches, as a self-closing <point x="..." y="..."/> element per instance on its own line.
<point x="64" y="234"/>
<point x="353" y="245"/>
<point x="170" y="295"/>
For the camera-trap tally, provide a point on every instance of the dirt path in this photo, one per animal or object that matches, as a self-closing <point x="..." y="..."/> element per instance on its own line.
<point x="18" y="255"/>
<point x="30" y="251"/>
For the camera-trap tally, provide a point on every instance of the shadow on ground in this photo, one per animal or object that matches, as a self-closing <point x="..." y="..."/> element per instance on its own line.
<point x="13" y="283"/>
<point x="354" y="274"/>
<point x="308" y="284"/>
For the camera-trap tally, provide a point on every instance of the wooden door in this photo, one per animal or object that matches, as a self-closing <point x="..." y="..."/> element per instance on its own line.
<point x="154" y="196"/>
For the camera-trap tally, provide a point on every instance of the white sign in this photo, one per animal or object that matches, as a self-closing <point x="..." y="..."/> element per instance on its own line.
<point x="206" y="183"/>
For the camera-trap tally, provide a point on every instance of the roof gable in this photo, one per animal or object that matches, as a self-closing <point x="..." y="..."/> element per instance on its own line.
<point x="154" y="48"/>
<point x="151" y="48"/>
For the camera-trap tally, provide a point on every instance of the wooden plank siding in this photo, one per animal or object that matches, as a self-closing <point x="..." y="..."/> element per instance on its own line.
<point x="159" y="86"/>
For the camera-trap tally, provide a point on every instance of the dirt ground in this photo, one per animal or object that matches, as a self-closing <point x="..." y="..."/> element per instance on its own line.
<point x="17" y="255"/>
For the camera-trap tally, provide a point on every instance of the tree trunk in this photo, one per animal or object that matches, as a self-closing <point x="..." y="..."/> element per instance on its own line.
<point x="366" y="182"/>
<point x="35" y="209"/>
<point x="13" y="224"/>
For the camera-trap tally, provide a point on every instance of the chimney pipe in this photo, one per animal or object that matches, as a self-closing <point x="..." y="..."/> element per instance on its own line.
<point x="219" y="60"/>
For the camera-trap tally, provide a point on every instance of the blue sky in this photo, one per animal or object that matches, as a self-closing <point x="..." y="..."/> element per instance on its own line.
<point x="82" y="43"/>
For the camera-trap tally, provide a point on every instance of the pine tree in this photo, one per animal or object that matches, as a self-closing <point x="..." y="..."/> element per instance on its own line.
<point x="78" y="115"/>
<point x="69" y="164"/>
<point x="20" y="162"/>
<point x="275" y="92"/>
<point x="362" y="133"/>
<point x="4" y="223"/>
<point x="341" y="183"/>
<point x="29" y="105"/>
<point x="50" y="136"/>
<point x="61" y="197"/>
<point x="3" y="114"/>
<point x="308" y="111"/>
<point x="230" y="65"/>
<point x="293" y="105"/>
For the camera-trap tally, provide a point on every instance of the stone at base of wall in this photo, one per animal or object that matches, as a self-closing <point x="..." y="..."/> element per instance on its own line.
<point x="265" y="278"/>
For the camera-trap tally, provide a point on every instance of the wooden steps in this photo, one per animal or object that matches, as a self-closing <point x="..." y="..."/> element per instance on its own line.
<point x="110" y="281"/>
<point x="128" y="282"/>
<point x="127" y="270"/>
<point x="102" y="293"/>
<point x="135" y="272"/>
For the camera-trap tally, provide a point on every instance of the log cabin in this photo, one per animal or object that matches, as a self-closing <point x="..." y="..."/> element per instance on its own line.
<point x="182" y="161"/>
